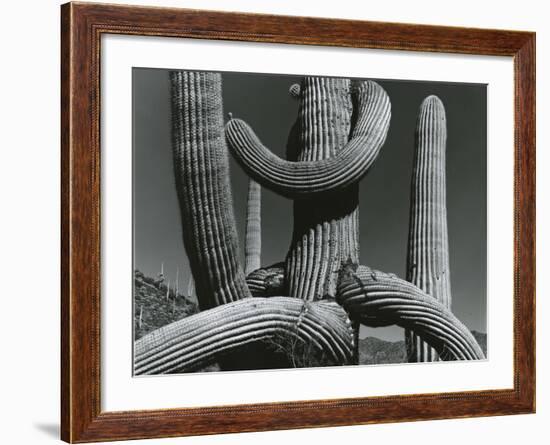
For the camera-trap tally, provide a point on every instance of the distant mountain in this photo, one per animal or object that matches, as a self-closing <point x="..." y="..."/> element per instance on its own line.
<point x="373" y="351"/>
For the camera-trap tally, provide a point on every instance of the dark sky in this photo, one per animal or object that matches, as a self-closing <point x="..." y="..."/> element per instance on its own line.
<point x="263" y="101"/>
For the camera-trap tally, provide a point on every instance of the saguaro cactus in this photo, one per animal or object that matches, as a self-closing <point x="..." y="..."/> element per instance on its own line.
<point x="324" y="121"/>
<point x="326" y="160"/>
<point x="253" y="241"/>
<point x="340" y="129"/>
<point x="428" y="250"/>
<point x="201" y="168"/>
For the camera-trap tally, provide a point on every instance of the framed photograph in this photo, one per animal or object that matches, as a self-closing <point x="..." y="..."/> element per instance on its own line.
<point x="274" y="222"/>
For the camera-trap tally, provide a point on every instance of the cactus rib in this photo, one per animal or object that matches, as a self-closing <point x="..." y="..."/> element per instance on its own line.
<point x="428" y="246"/>
<point x="325" y="232"/>
<point x="380" y="299"/>
<point x="295" y="179"/>
<point x="200" y="339"/>
<point x="253" y="236"/>
<point x="201" y="168"/>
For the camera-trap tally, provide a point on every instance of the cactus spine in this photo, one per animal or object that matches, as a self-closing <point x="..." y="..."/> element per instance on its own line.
<point x="428" y="247"/>
<point x="268" y="281"/>
<point x="201" y="168"/>
<point x="253" y="241"/>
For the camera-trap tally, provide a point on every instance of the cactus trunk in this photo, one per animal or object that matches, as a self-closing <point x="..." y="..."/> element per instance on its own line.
<point x="253" y="241"/>
<point x="201" y="339"/>
<point x="379" y="299"/>
<point x="428" y="248"/>
<point x="201" y="168"/>
<point x="325" y="226"/>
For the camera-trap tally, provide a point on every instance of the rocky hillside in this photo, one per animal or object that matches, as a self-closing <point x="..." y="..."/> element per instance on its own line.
<point x="156" y="306"/>
<point x="373" y="351"/>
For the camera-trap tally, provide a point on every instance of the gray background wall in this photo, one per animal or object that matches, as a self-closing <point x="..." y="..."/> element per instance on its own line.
<point x="263" y="101"/>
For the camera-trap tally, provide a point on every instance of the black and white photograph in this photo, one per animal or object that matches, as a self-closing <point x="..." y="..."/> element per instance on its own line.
<point x="283" y="221"/>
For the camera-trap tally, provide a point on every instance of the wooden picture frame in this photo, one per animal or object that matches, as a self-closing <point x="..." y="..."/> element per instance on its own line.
<point x="82" y="25"/>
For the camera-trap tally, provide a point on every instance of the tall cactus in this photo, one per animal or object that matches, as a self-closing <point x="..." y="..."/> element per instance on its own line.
<point x="201" y="168"/>
<point x="331" y="156"/>
<point x="253" y="241"/>
<point x="428" y="248"/>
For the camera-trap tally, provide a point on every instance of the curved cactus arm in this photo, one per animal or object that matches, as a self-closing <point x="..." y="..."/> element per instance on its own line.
<point x="200" y="339"/>
<point x="268" y="281"/>
<point x="253" y="236"/>
<point x="201" y="168"/>
<point x="379" y="299"/>
<point x="295" y="179"/>
<point x="428" y="246"/>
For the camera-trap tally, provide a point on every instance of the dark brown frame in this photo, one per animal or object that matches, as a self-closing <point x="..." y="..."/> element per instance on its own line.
<point x="81" y="28"/>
